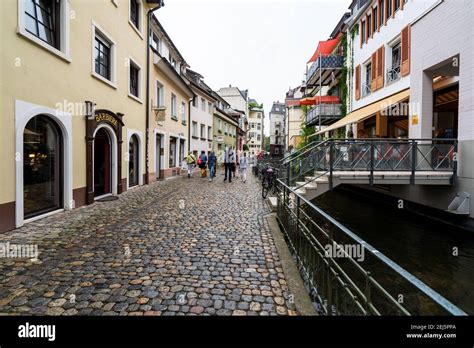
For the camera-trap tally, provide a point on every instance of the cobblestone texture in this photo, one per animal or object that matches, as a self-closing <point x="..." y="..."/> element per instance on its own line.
<point x="180" y="247"/>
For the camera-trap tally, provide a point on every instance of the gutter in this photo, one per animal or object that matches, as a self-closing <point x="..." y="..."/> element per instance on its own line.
<point x="149" y="16"/>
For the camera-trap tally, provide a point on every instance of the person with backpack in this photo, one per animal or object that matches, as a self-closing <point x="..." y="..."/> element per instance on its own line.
<point x="229" y="159"/>
<point x="191" y="162"/>
<point x="202" y="163"/>
<point x="243" y="164"/>
<point x="212" y="162"/>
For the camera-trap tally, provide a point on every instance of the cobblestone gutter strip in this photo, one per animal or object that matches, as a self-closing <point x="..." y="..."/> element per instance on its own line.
<point x="295" y="283"/>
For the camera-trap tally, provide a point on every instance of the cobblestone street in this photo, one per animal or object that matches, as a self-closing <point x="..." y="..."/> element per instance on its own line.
<point x="180" y="247"/>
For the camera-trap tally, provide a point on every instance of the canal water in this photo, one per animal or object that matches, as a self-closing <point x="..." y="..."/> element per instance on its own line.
<point x="423" y="247"/>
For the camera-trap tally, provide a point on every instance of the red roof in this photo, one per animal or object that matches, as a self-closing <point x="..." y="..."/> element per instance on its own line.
<point x="325" y="48"/>
<point x="325" y="99"/>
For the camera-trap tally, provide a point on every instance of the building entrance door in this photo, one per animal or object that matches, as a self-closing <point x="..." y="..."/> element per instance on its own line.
<point x="102" y="163"/>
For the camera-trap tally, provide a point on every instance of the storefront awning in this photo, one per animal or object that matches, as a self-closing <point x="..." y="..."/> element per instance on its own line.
<point x="367" y="111"/>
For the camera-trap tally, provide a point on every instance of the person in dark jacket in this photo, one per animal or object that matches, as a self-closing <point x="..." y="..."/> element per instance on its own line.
<point x="212" y="162"/>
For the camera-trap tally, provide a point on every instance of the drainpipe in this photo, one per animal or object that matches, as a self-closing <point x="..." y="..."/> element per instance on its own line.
<point x="147" y="103"/>
<point x="190" y="103"/>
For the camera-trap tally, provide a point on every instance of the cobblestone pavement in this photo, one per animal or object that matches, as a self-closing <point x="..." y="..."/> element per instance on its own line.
<point x="180" y="247"/>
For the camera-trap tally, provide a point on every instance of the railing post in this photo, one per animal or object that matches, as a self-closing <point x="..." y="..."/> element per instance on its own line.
<point x="331" y="148"/>
<point x="288" y="173"/>
<point x="455" y="162"/>
<point x="372" y="156"/>
<point x="413" y="161"/>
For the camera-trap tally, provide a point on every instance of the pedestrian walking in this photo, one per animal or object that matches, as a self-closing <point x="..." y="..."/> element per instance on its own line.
<point x="212" y="161"/>
<point x="202" y="163"/>
<point x="243" y="164"/>
<point x="191" y="162"/>
<point x="229" y="159"/>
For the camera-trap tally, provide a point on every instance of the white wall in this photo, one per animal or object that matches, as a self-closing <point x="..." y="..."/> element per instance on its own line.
<point x="388" y="33"/>
<point x="201" y="117"/>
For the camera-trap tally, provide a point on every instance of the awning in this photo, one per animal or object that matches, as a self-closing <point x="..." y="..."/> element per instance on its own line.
<point x="325" y="99"/>
<point x="325" y="48"/>
<point x="367" y="111"/>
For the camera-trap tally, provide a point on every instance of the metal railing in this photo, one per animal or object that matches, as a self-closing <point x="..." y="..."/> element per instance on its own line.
<point x="328" y="112"/>
<point x="366" y="89"/>
<point x="393" y="74"/>
<point x="371" y="155"/>
<point x="344" y="274"/>
<point x="324" y="62"/>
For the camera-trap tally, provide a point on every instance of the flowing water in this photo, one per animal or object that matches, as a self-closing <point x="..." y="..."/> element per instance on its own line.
<point x="421" y="246"/>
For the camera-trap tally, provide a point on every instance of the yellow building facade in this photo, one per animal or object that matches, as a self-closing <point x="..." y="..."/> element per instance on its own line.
<point x="73" y="95"/>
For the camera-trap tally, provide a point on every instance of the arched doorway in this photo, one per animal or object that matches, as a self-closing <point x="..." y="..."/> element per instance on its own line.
<point x="133" y="161"/>
<point x="42" y="166"/>
<point x="102" y="163"/>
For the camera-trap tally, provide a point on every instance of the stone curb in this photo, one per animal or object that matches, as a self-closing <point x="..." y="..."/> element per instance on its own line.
<point x="296" y="286"/>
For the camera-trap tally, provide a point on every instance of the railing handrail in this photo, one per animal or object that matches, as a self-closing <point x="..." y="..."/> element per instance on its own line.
<point x="417" y="283"/>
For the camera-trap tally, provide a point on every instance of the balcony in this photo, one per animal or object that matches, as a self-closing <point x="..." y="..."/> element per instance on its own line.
<point x="324" y="69"/>
<point x="329" y="113"/>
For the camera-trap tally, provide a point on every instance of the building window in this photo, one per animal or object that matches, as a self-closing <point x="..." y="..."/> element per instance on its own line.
<point x="259" y="137"/>
<point x="381" y="12"/>
<point x="219" y="126"/>
<point x="396" y="5"/>
<point x="155" y="42"/>
<point x="42" y="166"/>
<point x="393" y="73"/>
<point x="195" y="129"/>
<point x="209" y="133"/>
<point x="133" y="161"/>
<point x="160" y="94"/>
<point x="134" y="79"/>
<point x="209" y="107"/>
<point x="369" y="26"/>
<point x="366" y="86"/>
<point x="102" y="54"/>
<point x="362" y="33"/>
<point x="203" y="104"/>
<point x="252" y="125"/>
<point x="172" y="157"/>
<point x="183" y="112"/>
<point x="174" y="106"/>
<point x="259" y="115"/>
<point x="389" y="8"/>
<point x="203" y="131"/>
<point x="374" y="20"/>
<point x="42" y="19"/>
<point x="135" y="13"/>
<point x="259" y="126"/>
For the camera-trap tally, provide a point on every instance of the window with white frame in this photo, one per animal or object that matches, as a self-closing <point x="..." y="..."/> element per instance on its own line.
<point x="219" y="125"/>
<point x="209" y="107"/>
<point x="160" y="94"/>
<point x="134" y="79"/>
<point x="203" y="131"/>
<point x="174" y="106"/>
<point x="226" y="128"/>
<point x="203" y="104"/>
<point x="46" y="22"/>
<point x="209" y="132"/>
<point x="103" y="55"/>
<point x="135" y="10"/>
<point x="195" y="129"/>
<point x="155" y="42"/>
<point x="183" y="112"/>
<point x="259" y="126"/>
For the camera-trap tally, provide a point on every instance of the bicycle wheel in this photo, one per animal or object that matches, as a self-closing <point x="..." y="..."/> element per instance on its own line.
<point x="265" y="187"/>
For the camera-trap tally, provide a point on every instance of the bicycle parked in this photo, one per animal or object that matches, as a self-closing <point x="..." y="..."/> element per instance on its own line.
<point x="268" y="181"/>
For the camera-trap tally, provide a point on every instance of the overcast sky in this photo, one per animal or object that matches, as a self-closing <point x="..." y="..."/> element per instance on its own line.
<point x="259" y="45"/>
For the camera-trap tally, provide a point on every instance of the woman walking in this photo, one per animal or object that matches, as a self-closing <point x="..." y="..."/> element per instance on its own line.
<point x="243" y="164"/>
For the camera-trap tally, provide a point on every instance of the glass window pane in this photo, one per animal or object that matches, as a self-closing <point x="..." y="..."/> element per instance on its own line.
<point x="30" y="25"/>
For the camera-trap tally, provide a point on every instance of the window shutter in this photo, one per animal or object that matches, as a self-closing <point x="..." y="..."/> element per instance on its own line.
<point x="406" y="46"/>
<point x="393" y="9"/>
<point x="380" y="66"/>
<point x="357" y="82"/>
<point x="373" y="78"/>
<point x="402" y="3"/>
<point x="360" y="34"/>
